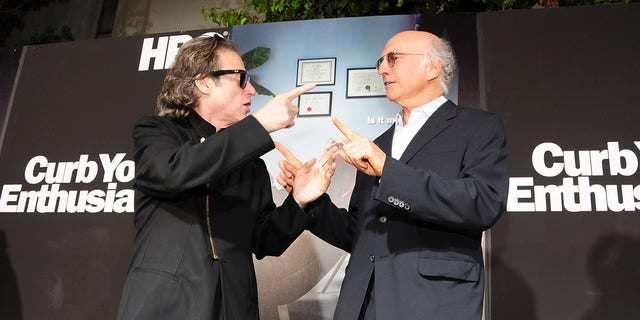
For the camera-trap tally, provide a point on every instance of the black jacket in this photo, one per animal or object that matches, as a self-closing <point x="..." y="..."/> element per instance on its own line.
<point x="179" y="165"/>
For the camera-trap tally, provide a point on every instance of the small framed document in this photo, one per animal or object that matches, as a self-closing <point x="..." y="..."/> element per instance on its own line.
<point x="318" y="71"/>
<point x="314" y="104"/>
<point x="364" y="83"/>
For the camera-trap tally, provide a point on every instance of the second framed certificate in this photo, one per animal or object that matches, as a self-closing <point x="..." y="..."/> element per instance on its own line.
<point x="364" y="83"/>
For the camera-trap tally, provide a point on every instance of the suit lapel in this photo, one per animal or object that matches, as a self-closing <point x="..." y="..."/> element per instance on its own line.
<point x="384" y="140"/>
<point x="436" y="123"/>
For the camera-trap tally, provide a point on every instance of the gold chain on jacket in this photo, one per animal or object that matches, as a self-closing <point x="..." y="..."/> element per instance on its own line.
<point x="213" y="248"/>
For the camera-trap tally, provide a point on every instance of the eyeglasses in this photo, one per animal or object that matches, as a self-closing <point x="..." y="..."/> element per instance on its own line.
<point x="244" y="77"/>
<point x="392" y="57"/>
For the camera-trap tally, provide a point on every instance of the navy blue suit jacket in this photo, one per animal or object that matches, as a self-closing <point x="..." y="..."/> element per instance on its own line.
<point x="417" y="229"/>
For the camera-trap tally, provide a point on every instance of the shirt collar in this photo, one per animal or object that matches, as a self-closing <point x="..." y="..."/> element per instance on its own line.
<point x="201" y="126"/>
<point x="423" y="112"/>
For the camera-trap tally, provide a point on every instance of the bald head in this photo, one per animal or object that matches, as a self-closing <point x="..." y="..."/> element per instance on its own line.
<point x="436" y="51"/>
<point x="417" y="41"/>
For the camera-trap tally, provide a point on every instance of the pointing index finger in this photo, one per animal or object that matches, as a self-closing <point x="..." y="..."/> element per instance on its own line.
<point x="288" y="155"/>
<point x="350" y="134"/>
<point x="295" y="92"/>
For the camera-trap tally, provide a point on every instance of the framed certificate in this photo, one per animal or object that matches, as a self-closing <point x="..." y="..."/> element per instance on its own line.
<point x="314" y="104"/>
<point x="318" y="71"/>
<point x="364" y="83"/>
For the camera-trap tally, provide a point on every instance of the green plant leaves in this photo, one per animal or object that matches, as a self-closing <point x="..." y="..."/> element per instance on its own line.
<point x="256" y="57"/>
<point x="253" y="59"/>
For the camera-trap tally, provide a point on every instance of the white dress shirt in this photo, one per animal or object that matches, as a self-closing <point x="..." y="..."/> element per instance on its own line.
<point x="403" y="134"/>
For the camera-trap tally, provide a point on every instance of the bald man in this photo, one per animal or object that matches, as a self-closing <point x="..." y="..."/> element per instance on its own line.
<point x="425" y="191"/>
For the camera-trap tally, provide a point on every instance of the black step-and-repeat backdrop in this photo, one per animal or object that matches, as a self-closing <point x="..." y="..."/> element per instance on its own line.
<point x="10" y="303"/>
<point x="564" y="80"/>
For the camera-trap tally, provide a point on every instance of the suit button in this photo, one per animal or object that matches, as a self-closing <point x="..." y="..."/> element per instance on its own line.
<point x="390" y="199"/>
<point x="383" y="219"/>
<point x="372" y="258"/>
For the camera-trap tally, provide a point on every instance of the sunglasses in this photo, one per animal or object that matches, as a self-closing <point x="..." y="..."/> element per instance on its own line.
<point x="212" y="35"/>
<point x="392" y="57"/>
<point x="244" y="77"/>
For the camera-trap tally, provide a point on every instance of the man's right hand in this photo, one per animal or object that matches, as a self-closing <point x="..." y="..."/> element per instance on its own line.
<point x="279" y="112"/>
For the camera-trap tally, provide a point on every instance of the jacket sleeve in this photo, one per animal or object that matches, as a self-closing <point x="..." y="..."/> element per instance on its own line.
<point x="471" y="202"/>
<point x="334" y="225"/>
<point x="277" y="228"/>
<point x="171" y="163"/>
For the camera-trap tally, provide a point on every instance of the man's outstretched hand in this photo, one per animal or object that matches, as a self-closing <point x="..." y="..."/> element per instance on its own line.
<point x="361" y="152"/>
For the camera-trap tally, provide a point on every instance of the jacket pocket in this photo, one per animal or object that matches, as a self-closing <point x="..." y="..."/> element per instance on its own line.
<point x="152" y="294"/>
<point x="449" y="268"/>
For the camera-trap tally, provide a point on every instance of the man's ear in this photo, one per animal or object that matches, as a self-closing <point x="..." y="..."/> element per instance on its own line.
<point x="433" y="70"/>
<point x="203" y="84"/>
